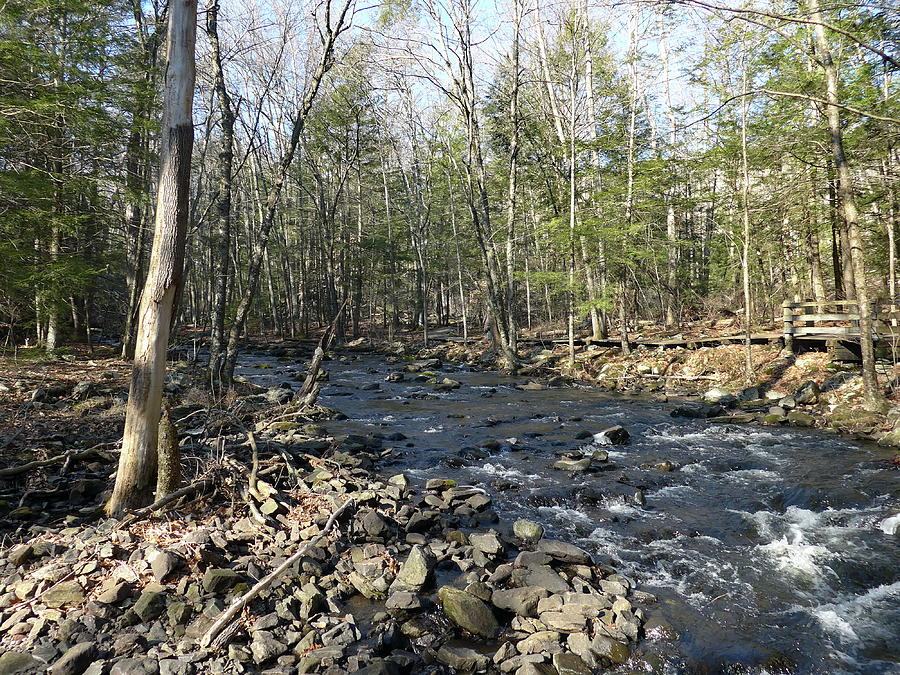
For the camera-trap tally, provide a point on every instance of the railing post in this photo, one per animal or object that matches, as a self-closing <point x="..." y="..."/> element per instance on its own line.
<point x="788" y="318"/>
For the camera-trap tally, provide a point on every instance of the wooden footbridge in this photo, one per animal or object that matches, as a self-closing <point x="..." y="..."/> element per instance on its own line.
<point x="831" y="325"/>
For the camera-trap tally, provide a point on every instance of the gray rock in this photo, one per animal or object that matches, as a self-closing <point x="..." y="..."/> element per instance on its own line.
<point x="544" y="577"/>
<point x="541" y="642"/>
<point x="415" y="570"/>
<point x="574" y="465"/>
<point x="66" y="593"/>
<point x="265" y="647"/>
<point x="403" y="600"/>
<point x="536" y="669"/>
<point x="520" y="601"/>
<point x="462" y="659"/>
<point x="487" y="543"/>
<point x="617" y="652"/>
<point x="567" y="620"/>
<point x="176" y="667"/>
<point x="563" y="552"/>
<point x="374" y="525"/>
<point x="528" y="530"/>
<point x="20" y="554"/>
<point x="567" y="663"/>
<point x="468" y="612"/>
<point x="75" y="661"/>
<point x="220" y="579"/>
<point x="135" y="667"/>
<point x="164" y="563"/>
<point x="150" y="605"/>
<point x="12" y="663"/>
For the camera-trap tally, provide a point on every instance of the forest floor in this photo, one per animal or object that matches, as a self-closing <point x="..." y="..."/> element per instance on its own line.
<point x="412" y="578"/>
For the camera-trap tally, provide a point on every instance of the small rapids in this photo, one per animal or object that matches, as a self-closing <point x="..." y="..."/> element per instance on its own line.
<point x="770" y="549"/>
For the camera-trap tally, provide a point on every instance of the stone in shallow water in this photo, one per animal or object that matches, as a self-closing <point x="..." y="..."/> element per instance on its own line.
<point x="567" y="663"/>
<point x="575" y="465"/>
<point x="468" y="612"/>
<point x="564" y="552"/>
<point x="462" y="659"/>
<point x="520" y="601"/>
<point x="528" y="530"/>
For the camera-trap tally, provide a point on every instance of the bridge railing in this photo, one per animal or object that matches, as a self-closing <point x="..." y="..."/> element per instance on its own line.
<point x="813" y="319"/>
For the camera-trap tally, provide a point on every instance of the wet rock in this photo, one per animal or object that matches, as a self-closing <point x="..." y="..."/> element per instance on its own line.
<point x="801" y="419"/>
<point x="75" y="661"/>
<point x="698" y="411"/>
<point x="615" y="435"/>
<point x="567" y="663"/>
<point x="617" y="652"/>
<point x="218" y="580"/>
<point x="462" y="659"/>
<point x="528" y="530"/>
<point x="468" y="612"/>
<point x="564" y="552"/>
<point x="439" y="483"/>
<point x="520" y="601"/>
<point x="61" y="595"/>
<point x="574" y="465"/>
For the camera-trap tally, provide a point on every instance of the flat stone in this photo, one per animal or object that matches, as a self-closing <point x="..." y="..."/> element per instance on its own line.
<point x="12" y="663"/>
<point x="150" y="605"/>
<point x="20" y="554"/>
<point x="565" y="621"/>
<point x="61" y="595"/>
<point x="487" y="543"/>
<point x="546" y="578"/>
<point x="75" y="661"/>
<point x="217" y="580"/>
<point x="520" y="601"/>
<point x="567" y="663"/>
<point x="564" y="552"/>
<point x="468" y="612"/>
<point x="575" y="465"/>
<point x="462" y="659"/>
<point x="542" y="642"/>
<point x="403" y="600"/>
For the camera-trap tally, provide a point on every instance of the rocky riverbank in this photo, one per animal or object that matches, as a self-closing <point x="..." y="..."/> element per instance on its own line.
<point x="415" y="578"/>
<point x="807" y="390"/>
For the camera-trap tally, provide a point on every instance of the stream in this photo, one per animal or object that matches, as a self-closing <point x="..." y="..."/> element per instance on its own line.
<point x="764" y="545"/>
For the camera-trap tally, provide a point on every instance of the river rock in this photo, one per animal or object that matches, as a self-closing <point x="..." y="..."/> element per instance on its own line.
<point x="564" y="552"/>
<point x="374" y="525"/>
<point x="528" y="530"/>
<point x="487" y="543"/>
<point x="715" y="395"/>
<point x="801" y="419"/>
<point x="700" y="411"/>
<point x="567" y="663"/>
<point x="265" y="647"/>
<point x="574" y="465"/>
<point x="807" y="393"/>
<point x="520" y="601"/>
<point x="150" y="605"/>
<point x="468" y="612"/>
<point x="616" y="435"/>
<point x="541" y="642"/>
<point x="75" y="661"/>
<point x="544" y="577"/>
<point x="462" y="659"/>
<point x="414" y="571"/>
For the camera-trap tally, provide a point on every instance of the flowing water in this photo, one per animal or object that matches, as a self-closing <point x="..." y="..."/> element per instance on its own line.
<point x="767" y="547"/>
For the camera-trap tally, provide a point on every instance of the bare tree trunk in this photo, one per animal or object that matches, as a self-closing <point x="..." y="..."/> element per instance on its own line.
<point x="847" y="198"/>
<point x="221" y="253"/>
<point x="745" y="213"/>
<point x="137" y="473"/>
<point x="513" y="170"/>
<point x="330" y="31"/>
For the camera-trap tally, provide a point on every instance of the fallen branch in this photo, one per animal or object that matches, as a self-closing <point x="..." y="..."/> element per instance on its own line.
<point x="168" y="499"/>
<point x="239" y="604"/>
<point x="58" y="459"/>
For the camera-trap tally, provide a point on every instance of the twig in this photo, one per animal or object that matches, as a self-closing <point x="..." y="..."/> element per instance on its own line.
<point x="168" y="499"/>
<point x="240" y="603"/>
<point x="37" y="464"/>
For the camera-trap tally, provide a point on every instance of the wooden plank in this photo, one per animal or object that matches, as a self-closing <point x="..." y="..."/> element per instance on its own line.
<point x="800" y="331"/>
<point x="841" y="316"/>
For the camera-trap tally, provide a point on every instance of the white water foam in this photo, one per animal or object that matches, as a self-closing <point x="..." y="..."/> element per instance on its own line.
<point x="890" y="525"/>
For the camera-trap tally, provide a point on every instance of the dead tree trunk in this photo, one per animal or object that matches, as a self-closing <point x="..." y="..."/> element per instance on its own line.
<point x="136" y="477"/>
